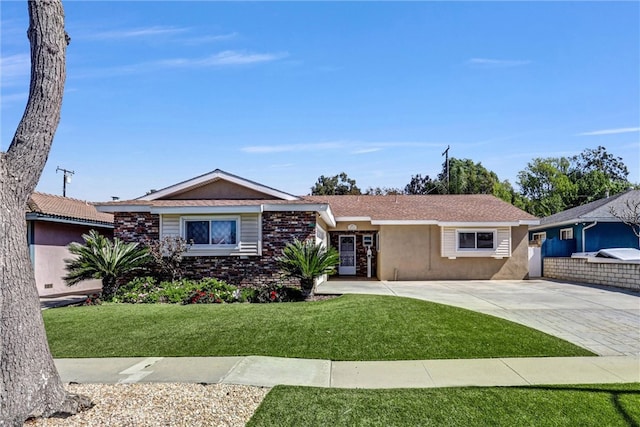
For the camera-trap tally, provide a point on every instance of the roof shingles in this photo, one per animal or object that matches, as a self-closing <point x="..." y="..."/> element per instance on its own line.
<point x="67" y="208"/>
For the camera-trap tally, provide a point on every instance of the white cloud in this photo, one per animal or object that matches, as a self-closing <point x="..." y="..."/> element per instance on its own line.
<point x="138" y="32"/>
<point x="366" y="150"/>
<point x="15" y="69"/>
<point x="497" y="63"/>
<point x="225" y="58"/>
<point x="289" y="148"/>
<point x="210" y="38"/>
<point x="610" y="131"/>
<point x="355" y="147"/>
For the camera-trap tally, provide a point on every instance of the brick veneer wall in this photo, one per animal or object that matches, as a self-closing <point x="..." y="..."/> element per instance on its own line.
<point x="278" y="229"/>
<point x="608" y="273"/>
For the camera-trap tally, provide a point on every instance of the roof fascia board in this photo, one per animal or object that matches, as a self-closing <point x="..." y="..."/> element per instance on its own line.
<point x="215" y="175"/>
<point x="206" y="209"/>
<point x="123" y="208"/>
<point x="353" y="218"/>
<point x="48" y="218"/>
<point x="574" y="221"/>
<point x="404" y="222"/>
<point x="297" y="207"/>
<point x="480" y="224"/>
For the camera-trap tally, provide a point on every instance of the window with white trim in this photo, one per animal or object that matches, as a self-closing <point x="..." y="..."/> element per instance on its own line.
<point x="476" y="240"/>
<point x="220" y="232"/>
<point x="539" y="237"/>
<point x="566" y="234"/>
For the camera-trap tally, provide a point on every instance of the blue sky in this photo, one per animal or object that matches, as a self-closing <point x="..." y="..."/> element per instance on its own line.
<point x="281" y="93"/>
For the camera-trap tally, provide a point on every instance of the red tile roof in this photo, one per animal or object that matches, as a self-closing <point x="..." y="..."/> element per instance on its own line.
<point x="66" y="208"/>
<point x="441" y="208"/>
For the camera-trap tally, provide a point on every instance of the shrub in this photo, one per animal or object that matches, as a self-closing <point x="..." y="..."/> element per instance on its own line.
<point x="212" y="291"/>
<point x="146" y="290"/>
<point x="275" y="293"/>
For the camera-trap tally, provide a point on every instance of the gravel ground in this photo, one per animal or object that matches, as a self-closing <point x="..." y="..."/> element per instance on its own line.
<point x="162" y="405"/>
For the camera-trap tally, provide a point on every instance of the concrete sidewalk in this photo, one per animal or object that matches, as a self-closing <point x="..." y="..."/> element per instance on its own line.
<point x="271" y="371"/>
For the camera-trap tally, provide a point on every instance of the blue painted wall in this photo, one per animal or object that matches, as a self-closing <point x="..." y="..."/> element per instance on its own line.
<point x="603" y="235"/>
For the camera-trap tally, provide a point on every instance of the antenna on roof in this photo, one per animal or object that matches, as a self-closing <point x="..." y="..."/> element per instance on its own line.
<point x="446" y="163"/>
<point x="66" y="179"/>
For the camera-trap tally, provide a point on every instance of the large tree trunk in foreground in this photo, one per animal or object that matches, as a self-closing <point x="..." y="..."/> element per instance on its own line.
<point x="29" y="382"/>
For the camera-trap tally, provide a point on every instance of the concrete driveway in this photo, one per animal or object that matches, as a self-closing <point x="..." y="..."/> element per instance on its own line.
<point x="603" y="320"/>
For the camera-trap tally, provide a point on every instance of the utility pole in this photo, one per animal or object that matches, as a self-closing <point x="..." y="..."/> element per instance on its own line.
<point x="66" y="179"/>
<point x="446" y="153"/>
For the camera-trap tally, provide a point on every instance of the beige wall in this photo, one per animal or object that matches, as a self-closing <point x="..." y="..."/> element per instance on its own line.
<point x="220" y="189"/>
<point x="413" y="253"/>
<point x="49" y="270"/>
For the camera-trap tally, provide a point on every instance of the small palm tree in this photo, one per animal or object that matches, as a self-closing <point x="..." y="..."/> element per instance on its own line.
<point x="307" y="261"/>
<point x="100" y="258"/>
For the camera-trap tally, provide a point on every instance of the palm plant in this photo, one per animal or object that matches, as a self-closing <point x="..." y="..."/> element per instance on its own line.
<point x="100" y="258"/>
<point x="307" y="261"/>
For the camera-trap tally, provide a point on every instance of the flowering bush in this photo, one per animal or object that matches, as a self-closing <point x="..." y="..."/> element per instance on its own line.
<point x="212" y="291"/>
<point x="146" y="290"/>
<point x="93" y="299"/>
<point x="276" y="293"/>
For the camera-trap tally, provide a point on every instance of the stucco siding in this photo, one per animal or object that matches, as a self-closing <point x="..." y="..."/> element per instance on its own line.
<point x="49" y="270"/>
<point x="414" y="253"/>
<point x="49" y="250"/>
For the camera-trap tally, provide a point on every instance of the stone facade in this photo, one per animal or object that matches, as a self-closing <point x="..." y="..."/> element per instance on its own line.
<point x="600" y="272"/>
<point x="278" y="229"/>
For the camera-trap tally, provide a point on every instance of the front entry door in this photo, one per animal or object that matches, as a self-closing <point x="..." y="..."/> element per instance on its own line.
<point x="347" y="248"/>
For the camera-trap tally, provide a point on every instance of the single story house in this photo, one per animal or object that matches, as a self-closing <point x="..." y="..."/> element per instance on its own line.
<point x="588" y="228"/>
<point x="52" y="223"/>
<point x="239" y="227"/>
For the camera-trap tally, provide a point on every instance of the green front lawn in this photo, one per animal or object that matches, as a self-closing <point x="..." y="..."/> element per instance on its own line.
<point x="351" y="327"/>
<point x="590" y="405"/>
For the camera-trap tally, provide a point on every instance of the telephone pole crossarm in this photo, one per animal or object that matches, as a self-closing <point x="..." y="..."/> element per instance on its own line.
<point x="66" y="178"/>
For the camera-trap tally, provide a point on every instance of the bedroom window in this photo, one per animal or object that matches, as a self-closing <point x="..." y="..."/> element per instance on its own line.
<point x="539" y="237"/>
<point x="477" y="240"/>
<point x="566" y="234"/>
<point x="212" y="232"/>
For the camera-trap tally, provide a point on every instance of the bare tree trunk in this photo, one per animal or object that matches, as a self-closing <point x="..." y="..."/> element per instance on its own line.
<point x="29" y="382"/>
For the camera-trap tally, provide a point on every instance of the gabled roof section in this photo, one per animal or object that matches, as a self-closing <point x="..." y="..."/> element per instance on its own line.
<point x="217" y="184"/>
<point x="64" y="209"/>
<point x="458" y="209"/>
<point x="599" y="210"/>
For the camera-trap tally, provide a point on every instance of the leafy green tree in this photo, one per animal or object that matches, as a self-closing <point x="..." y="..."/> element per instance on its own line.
<point x="100" y="258"/>
<point x="307" y="261"/>
<point x="598" y="159"/>
<point x="382" y="191"/>
<point x="597" y="174"/>
<point x="546" y="185"/>
<point x="337" y="185"/>
<point x="423" y="185"/>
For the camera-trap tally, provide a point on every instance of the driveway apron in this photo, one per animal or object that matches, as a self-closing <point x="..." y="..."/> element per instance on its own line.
<point x="603" y="320"/>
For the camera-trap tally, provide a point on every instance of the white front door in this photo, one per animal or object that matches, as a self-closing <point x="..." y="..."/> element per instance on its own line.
<point x="347" y="249"/>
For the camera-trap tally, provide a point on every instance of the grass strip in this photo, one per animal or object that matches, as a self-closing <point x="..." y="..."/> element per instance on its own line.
<point x="350" y="327"/>
<point x="539" y="406"/>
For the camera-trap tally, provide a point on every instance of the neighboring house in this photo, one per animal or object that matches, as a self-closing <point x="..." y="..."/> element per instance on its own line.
<point x="588" y="228"/>
<point x="239" y="227"/>
<point x="52" y="223"/>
